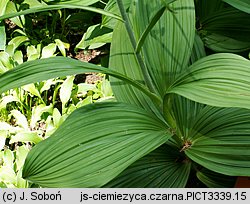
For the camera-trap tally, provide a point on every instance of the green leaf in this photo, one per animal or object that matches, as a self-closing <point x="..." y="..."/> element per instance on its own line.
<point x="74" y="2"/>
<point x="220" y="140"/>
<point x="217" y="80"/>
<point x="57" y="7"/>
<point x="49" y="50"/>
<point x="26" y="136"/>
<point x="31" y="88"/>
<point x="10" y="9"/>
<point x="123" y="60"/>
<point x="21" y="154"/>
<point x="198" y="49"/>
<point x="65" y="90"/>
<point x="96" y="36"/>
<point x="243" y="5"/>
<point x="8" y="99"/>
<point x="3" y="5"/>
<point x="95" y="144"/>
<point x="43" y="69"/>
<point x="17" y="41"/>
<point x="214" y="180"/>
<point x="2" y="37"/>
<point x="62" y="46"/>
<point x="165" y="167"/>
<point x="223" y="28"/>
<point x="167" y="48"/>
<point x="37" y="112"/>
<point x="112" y="7"/>
<point x="21" y="120"/>
<point x="3" y="136"/>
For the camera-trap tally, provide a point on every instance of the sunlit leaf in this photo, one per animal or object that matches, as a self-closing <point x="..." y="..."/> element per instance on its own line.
<point x="217" y="80"/>
<point x="95" y="144"/>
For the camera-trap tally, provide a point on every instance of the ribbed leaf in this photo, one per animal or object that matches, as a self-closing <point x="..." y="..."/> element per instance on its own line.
<point x="162" y="63"/>
<point x="243" y="5"/>
<point x="113" y="8"/>
<point x="198" y="49"/>
<point x="217" y="80"/>
<point x="123" y="60"/>
<point x="39" y="70"/>
<point x="168" y="46"/>
<point x="94" y="145"/>
<point x="223" y="28"/>
<point x="214" y="180"/>
<point x="163" y="168"/>
<point x="216" y="138"/>
<point x="220" y="140"/>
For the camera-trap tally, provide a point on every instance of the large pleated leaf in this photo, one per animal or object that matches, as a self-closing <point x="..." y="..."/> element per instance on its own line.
<point x="162" y="62"/>
<point x="165" y="167"/>
<point x="43" y="69"/>
<point x="123" y="60"/>
<point x="217" y="80"/>
<point x="220" y="140"/>
<point x="243" y="5"/>
<point x="167" y="47"/>
<point x="223" y="28"/>
<point x="94" y="145"/>
<point x="215" y="180"/>
<point x="216" y="138"/>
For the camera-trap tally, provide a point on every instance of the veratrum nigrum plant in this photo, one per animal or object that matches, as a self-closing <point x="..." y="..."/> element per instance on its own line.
<point x="179" y="113"/>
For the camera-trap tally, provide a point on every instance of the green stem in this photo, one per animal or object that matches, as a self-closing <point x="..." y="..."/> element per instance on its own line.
<point x="55" y="95"/>
<point x="128" y="26"/>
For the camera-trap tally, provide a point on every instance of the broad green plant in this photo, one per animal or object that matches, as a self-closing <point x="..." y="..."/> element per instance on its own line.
<point x="178" y="111"/>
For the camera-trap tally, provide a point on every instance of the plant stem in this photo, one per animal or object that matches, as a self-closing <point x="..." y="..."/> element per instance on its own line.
<point x="143" y="67"/>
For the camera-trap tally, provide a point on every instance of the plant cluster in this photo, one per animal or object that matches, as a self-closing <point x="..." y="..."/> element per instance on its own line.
<point x="179" y="71"/>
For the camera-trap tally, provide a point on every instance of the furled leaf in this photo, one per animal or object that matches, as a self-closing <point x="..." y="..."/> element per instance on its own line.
<point x="95" y="144"/>
<point x="217" y="80"/>
<point x="165" y="167"/>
